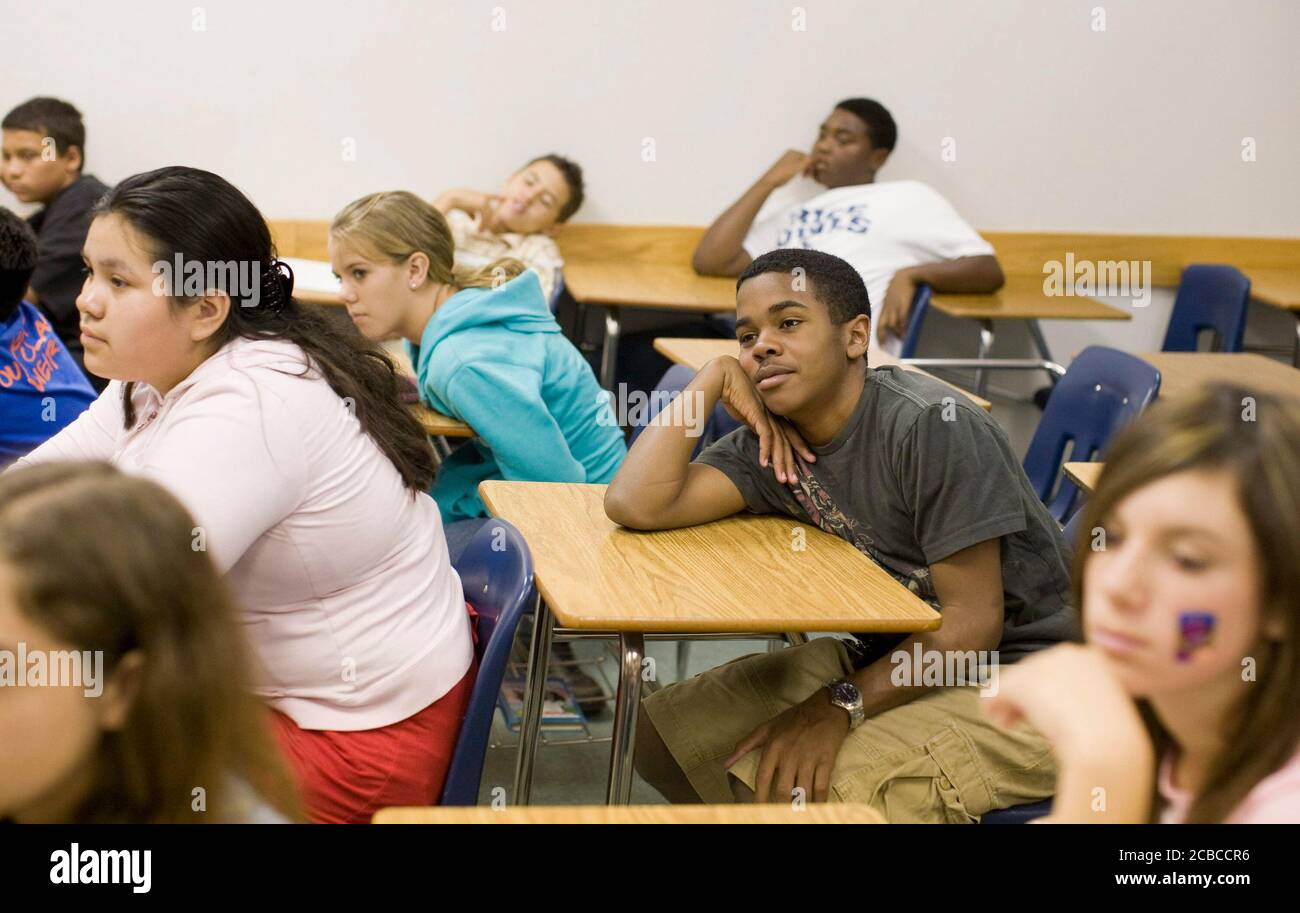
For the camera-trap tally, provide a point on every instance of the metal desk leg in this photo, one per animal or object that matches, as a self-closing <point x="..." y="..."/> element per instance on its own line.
<point x="626" y="706"/>
<point x="986" y="346"/>
<point x="539" y="654"/>
<point x="1036" y="333"/>
<point x="609" y="354"/>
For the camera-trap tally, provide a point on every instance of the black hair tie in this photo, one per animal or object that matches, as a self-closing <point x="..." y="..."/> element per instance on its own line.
<point x="277" y="286"/>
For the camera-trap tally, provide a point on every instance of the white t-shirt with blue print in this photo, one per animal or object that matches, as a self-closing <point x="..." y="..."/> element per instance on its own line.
<point x="880" y="228"/>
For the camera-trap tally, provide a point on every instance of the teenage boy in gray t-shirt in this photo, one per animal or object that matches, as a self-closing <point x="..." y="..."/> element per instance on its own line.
<point x="918" y="479"/>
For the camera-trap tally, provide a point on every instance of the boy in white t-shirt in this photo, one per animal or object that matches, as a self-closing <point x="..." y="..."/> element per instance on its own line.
<point x="520" y="220"/>
<point x="896" y="234"/>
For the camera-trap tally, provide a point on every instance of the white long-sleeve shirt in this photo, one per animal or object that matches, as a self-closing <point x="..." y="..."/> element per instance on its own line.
<point x="350" y="603"/>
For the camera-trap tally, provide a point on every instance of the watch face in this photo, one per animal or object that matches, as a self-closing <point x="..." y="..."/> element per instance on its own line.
<point x="844" y="693"/>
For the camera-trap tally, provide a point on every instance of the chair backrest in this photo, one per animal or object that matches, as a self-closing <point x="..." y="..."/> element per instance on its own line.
<point x="1103" y="390"/>
<point x="672" y="383"/>
<point x="920" y="304"/>
<point x="1209" y="297"/>
<point x="496" y="573"/>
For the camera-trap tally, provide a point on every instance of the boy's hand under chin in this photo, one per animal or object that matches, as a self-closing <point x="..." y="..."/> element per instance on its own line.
<point x="778" y="440"/>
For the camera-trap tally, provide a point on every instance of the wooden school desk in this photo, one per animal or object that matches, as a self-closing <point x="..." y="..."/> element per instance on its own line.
<point x="314" y="282"/>
<point x="434" y="423"/>
<point x="1183" y="372"/>
<point x="1085" y="475"/>
<point x="781" y="813"/>
<point x="1022" y="298"/>
<point x="648" y="267"/>
<point x="742" y="574"/>
<point x="696" y="353"/>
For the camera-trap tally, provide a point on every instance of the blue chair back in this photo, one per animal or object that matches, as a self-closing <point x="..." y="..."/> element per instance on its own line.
<point x="1018" y="814"/>
<point x="496" y="573"/>
<point x="672" y="383"/>
<point x="920" y="304"/>
<point x="1210" y="297"/>
<point x="1103" y="390"/>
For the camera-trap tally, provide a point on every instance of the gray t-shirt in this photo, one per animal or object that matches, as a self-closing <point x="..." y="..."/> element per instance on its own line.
<point x="921" y="473"/>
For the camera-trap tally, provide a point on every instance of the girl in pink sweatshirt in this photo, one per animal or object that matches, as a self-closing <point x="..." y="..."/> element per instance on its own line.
<point x="286" y="439"/>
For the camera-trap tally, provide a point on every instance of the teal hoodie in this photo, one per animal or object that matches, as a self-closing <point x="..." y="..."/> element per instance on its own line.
<point x="496" y="360"/>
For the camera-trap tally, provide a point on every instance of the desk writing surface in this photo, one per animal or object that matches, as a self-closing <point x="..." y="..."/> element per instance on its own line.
<point x="743" y="573"/>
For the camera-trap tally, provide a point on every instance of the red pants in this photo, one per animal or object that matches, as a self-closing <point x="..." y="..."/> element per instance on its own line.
<point x="345" y="777"/>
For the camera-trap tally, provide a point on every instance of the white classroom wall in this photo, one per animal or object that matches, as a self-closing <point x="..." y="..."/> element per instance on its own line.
<point x="1058" y="124"/>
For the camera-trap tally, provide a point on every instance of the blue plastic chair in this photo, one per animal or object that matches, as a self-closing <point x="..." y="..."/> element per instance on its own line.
<point x="920" y="304"/>
<point x="1018" y="814"/>
<point x="1103" y="390"/>
<point x="1209" y="297"/>
<point x="672" y="383"/>
<point x="496" y="573"/>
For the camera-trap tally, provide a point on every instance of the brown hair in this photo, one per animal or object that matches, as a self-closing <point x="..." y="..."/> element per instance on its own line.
<point x="396" y="224"/>
<point x="104" y="561"/>
<point x="1255" y="439"/>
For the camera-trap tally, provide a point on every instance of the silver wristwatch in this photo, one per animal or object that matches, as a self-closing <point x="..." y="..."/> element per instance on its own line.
<point x="845" y="694"/>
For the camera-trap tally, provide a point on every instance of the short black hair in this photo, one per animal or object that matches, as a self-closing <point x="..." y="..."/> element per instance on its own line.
<point x="835" y="283"/>
<point x="572" y="173"/>
<point x="50" y="117"/>
<point x="17" y="260"/>
<point x="881" y="128"/>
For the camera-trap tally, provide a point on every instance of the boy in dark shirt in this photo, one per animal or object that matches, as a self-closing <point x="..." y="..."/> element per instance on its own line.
<point x="41" y="388"/>
<point x="917" y="478"/>
<point x="44" y="149"/>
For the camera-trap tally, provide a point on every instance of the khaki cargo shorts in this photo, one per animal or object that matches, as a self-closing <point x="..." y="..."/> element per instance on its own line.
<point x="936" y="759"/>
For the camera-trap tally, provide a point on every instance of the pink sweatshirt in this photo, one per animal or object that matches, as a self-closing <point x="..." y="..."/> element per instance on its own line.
<point x="351" y="605"/>
<point x="1274" y="799"/>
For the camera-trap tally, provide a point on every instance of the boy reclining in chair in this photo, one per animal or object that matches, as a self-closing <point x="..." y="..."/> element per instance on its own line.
<point x="914" y="476"/>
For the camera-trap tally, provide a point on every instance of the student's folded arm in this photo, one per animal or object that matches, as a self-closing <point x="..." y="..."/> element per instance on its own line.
<point x="505" y="408"/>
<point x="980" y="274"/>
<point x="236" y="459"/>
<point x="702" y="494"/>
<point x="445" y="202"/>
<point x="658" y="487"/>
<point x="91" y="436"/>
<point x="721" y="252"/>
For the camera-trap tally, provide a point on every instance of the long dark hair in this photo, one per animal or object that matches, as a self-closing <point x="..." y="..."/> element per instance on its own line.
<point x="1254" y="438"/>
<point x="105" y="561"/>
<point x="201" y="217"/>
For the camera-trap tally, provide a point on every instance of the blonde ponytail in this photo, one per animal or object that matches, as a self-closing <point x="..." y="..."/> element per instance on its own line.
<point x="494" y="274"/>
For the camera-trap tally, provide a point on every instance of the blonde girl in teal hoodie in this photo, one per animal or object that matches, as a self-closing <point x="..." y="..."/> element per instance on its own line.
<point x="485" y="347"/>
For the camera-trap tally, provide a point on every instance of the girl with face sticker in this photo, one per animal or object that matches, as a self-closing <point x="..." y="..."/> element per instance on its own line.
<point x="1181" y="706"/>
